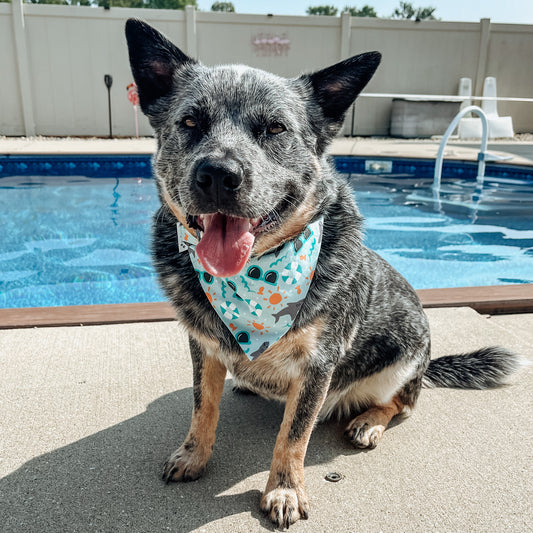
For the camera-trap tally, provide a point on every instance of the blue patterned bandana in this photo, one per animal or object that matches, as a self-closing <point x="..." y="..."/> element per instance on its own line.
<point x="259" y="304"/>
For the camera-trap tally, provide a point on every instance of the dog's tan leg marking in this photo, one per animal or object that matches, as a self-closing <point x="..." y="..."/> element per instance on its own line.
<point x="188" y="462"/>
<point x="284" y="498"/>
<point x="366" y="430"/>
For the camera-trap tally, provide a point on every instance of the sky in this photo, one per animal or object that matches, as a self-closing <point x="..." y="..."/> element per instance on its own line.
<point x="508" y="11"/>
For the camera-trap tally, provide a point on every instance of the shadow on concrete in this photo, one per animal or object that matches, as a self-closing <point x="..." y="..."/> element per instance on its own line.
<point x="110" y="481"/>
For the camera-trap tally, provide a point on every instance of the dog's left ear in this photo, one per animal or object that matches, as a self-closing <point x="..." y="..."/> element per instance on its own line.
<point x="336" y="87"/>
<point x="154" y="60"/>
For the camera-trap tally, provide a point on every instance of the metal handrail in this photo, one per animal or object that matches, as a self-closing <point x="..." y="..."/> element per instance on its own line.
<point x="482" y="154"/>
<point x="446" y="97"/>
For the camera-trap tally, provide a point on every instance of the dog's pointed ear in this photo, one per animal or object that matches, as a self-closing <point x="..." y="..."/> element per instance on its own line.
<point x="153" y="60"/>
<point x="336" y="87"/>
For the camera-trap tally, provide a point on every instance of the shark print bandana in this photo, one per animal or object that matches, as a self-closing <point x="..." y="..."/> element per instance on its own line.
<point x="260" y="303"/>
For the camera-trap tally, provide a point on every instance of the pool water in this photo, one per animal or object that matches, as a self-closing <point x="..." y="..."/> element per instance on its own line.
<point x="75" y="240"/>
<point x="464" y="236"/>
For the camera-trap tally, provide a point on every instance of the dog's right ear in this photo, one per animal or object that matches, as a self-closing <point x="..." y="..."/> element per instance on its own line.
<point x="153" y="60"/>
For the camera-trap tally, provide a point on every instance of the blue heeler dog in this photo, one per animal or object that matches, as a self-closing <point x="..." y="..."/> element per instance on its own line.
<point x="258" y="246"/>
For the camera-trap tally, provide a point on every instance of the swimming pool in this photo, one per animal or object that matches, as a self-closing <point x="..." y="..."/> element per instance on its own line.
<point x="76" y="230"/>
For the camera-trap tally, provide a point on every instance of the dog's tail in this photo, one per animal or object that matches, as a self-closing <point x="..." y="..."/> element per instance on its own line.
<point x="483" y="369"/>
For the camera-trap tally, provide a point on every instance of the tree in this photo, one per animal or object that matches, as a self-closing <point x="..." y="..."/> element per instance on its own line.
<point x="407" y="11"/>
<point x="330" y="11"/>
<point x="153" y="4"/>
<point x="227" y="7"/>
<point x="426" y="13"/>
<point x="60" y="2"/>
<point x="120" y="3"/>
<point x="168" y="4"/>
<point x="365" y="11"/>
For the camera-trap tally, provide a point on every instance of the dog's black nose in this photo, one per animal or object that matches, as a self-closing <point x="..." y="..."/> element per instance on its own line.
<point x="217" y="180"/>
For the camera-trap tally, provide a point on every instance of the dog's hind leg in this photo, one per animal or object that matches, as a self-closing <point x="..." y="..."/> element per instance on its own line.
<point x="366" y="430"/>
<point x="188" y="462"/>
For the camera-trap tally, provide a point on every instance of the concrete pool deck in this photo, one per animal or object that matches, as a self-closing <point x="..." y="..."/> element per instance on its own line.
<point x="520" y="150"/>
<point x="90" y="413"/>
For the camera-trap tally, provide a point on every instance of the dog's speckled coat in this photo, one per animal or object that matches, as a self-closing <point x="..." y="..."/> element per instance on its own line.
<point x="361" y="339"/>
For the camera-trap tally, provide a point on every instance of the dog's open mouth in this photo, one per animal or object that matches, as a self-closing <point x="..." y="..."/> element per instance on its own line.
<point x="226" y="242"/>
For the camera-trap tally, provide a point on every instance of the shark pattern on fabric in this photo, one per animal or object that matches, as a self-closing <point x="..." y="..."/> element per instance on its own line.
<point x="259" y="304"/>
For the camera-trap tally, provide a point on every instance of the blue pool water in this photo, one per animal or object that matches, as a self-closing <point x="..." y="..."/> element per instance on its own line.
<point x="76" y="240"/>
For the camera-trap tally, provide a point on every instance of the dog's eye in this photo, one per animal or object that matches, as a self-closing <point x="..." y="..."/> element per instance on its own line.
<point x="189" y="122"/>
<point x="275" y="128"/>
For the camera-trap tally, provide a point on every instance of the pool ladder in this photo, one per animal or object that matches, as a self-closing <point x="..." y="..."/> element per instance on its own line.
<point x="482" y="157"/>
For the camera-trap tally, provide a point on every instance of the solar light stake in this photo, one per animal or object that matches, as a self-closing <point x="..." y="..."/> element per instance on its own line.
<point x="108" y="80"/>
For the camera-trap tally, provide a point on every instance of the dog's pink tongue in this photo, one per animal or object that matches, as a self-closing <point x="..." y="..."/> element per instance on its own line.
<point x="225" y="245"/>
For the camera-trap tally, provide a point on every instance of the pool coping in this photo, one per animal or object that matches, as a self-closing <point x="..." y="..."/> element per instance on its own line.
<point x="370" y="147"/>
<point x="494" y="299"/>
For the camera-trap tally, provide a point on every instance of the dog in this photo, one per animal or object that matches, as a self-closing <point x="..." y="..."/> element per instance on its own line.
<point x="258" y="246"/>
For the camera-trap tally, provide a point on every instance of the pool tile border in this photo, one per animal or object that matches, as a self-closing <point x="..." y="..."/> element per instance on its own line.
<point x="422" y="168"/>
<point x="140" y="165"/>
<point x="92" y="166"/>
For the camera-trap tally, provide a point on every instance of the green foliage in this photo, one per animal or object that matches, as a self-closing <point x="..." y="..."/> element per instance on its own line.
<point x="365" y="11"/>
<point x="154" y="4"/>
<point x="167" y="4"/>
<point x="227" y="7"/>
<point x="121" y="3"/>
<point x="56" y="2"/>
<point x="330" y="11"/>
<point x="407" y="11"/>
<point x="426" y="13"/>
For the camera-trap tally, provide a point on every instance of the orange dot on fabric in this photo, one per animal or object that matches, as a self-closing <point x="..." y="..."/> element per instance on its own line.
<point x="299" y="289"/>
<point x="275" y="298"/>
<point x="209" y="297"/>
<point x="260" y="291"/>
<point x="257" y="326"/>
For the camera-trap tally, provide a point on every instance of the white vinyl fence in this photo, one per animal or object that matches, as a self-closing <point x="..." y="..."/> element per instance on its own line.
<point x="54" y="59"/>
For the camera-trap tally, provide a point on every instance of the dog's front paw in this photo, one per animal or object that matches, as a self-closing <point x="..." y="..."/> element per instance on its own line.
<point x="285" y="506"/>
<point x="184" y="465"/>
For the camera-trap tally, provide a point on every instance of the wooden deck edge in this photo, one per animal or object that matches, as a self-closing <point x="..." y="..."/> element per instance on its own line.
<point x="496" y="299"/>
<point x="492" y="299"/>
<point x="85" y="315"/>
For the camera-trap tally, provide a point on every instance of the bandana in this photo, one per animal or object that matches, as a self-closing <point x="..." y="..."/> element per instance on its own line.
<point x="259" y="304"/>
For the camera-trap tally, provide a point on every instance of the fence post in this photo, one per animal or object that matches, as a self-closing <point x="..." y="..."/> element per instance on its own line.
<point x="482" y="56"/>
<point x="345" y="34"/>
<point x="348" y="127"/>
<point x="23" y="67"/>
<point x="190" y="31"/>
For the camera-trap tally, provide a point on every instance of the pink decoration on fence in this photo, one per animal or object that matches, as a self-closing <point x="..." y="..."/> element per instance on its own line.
<point x="266" y="44"/>
<point x="133" y="97"/>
